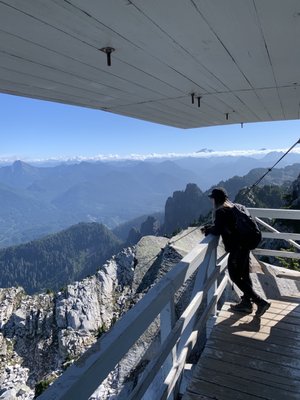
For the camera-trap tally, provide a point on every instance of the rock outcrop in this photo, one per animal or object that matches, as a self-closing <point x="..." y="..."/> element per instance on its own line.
<point x="184" y="208"/>
<point x="148" y="227"/>
<point x="41" y="335"/>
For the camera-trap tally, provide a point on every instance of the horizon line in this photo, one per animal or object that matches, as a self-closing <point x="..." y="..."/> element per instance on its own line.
<point x="205" y="153"/>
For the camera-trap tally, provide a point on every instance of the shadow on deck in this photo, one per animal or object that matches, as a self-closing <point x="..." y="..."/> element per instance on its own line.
<point x="251" y="358"/>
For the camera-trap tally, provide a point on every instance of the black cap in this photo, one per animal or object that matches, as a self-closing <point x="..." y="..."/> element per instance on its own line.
<point x="218" y="194"/>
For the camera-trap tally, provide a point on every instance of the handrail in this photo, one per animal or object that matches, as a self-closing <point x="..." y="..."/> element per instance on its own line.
<point x="275" y="234"/>
<point x="192" y="340"/>
<point x="82" y="378"/>
<point x="281" y="235"/>
<point x="274" y="213"/>
<point x="276" y="253"/>
<point x="173" y="338"/>
<point x="286" y="237"/>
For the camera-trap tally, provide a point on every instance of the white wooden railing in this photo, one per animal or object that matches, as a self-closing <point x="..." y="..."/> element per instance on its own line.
<point x="177" y="337"/>
<point x="290" y="237"/>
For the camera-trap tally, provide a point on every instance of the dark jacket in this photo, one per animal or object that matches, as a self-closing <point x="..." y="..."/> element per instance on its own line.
<point x="224" y="225"/>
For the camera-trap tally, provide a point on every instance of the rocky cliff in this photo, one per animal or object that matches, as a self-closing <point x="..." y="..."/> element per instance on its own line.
<point x="41" y="335"/>
<point x="185" y="207"/>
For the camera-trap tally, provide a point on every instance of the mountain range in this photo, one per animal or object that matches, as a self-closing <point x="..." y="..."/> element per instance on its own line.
<point x="36" y="201"/>
<point x="72" y="254"/>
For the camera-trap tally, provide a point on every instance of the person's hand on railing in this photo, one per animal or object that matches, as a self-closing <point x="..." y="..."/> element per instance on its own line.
<point x="206" y="229"/>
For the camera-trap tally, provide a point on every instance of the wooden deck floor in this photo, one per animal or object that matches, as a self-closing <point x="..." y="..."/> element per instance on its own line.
<point x="251" y="358"/>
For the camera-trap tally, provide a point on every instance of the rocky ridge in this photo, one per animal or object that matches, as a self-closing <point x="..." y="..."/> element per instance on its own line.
<point x="41" y="335"/>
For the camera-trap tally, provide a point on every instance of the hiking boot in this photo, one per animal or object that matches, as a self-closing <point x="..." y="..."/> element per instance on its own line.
<point x="245" y="306"/>
<point x="262" y="307"/>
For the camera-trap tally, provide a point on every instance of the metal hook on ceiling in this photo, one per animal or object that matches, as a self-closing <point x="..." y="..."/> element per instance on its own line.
<point x="108" y="51"/>
<point x="198" y="99"/>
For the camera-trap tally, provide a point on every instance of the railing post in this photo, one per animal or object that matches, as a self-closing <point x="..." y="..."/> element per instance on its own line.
<point x="211" y="267"/>
<point x="200" y="280"/>
<point x="167" y="322"/>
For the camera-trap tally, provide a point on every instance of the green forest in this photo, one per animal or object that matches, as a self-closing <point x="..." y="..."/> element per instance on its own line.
<point x="57" y="259"/>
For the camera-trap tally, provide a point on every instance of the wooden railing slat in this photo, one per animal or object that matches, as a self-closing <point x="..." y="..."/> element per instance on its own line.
<point x="276" y="253"/>
<point x="274" y="213"/>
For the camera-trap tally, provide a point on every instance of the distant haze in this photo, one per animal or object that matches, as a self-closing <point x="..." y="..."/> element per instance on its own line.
<point x="39" y="198"/>
<point x="202" y="153"/>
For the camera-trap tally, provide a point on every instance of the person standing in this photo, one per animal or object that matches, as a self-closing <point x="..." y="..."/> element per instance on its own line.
<point x="239" y="254"/>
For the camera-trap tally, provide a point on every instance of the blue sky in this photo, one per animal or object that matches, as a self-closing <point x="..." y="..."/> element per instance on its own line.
<point x="31" y="129"/>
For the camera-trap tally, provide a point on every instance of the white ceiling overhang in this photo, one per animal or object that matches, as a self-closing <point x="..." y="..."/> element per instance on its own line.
<point x="242" y="57"/>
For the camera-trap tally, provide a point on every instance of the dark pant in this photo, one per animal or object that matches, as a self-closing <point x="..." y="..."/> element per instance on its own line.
<point x="239" y="272"/>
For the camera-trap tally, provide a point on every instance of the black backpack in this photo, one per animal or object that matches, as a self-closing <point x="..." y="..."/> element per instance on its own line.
<point x="246" y="229"/>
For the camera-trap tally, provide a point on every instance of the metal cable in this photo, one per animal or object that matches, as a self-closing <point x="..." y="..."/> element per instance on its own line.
<point x="270" y="169"/>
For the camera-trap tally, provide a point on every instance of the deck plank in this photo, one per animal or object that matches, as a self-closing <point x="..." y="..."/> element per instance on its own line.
<point x="243" y="385"/>
<point x="251" y="358"/>
<point x="252" y="374"/>
<point x="280" y="347"/>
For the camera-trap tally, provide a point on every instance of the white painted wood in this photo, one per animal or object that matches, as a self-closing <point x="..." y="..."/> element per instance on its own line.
<point x="186" y="377"/>
<point x="274" y="213"/>
<point x="282" y="43"/>
<point x="271" y="101"/>
<point x="222" y="263"/>
<point x="192" y="340"/>
<point x="42" y="57"/>
<point x="154" y="366"/>
<point x="211" y="269"/>
<point x="205" y="281"/>
<point x="289" y="240"/>
<point x="128" y="19"/>
<point x="235" y="23"/>
<point x="200" y="281"/>
<point x="199" y="40"/>
<point x="145" y="111"/>
<point x="62" y="15"/>
<point x="242" y="111"/>
<point x="290" y="100"/>
<point x="176" y="372"/>
<point x="276" y="253"/>
<point x="254" y="103"/>
<point x="49" y="85"/>
<point x="183" y="105"/>
<point x="241" y="57"/>
<point x="92" y="86"/>
<point x="167" y="322"/>
<point x="65" y="45"/>
<point x="281" y="235"/>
